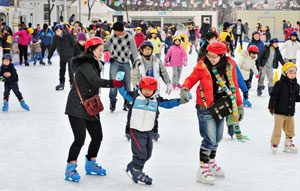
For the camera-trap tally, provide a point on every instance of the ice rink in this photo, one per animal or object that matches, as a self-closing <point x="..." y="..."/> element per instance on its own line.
<point x="34" y="145"/>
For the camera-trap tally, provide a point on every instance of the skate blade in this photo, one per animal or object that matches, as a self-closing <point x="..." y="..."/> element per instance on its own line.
<point x="136" y="182"/>
<point x="72" y="180"/>
<point x="95" y="174"/>
<point x="205" y="181"/>
<point x="287" y="151"/>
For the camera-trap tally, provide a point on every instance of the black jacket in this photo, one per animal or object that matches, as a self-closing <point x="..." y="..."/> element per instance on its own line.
<point x="78" y="49"/>
<point x="64" y="46"/>
<point x="6" y="41"/>
<point x="234" y="29"/>
<point x="264" y="56"/>
<point x="204" y="30"/>
<point x="144" y="28"/>
<point x="284" y="95"/>
<point x="202" y="51"/>
<point x="88" y="79"/>
<point x="10" y="74"/>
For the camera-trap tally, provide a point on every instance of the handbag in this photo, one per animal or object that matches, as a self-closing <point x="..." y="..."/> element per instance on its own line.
<point x="220" y="108"/>
<point x="92" y="105"/>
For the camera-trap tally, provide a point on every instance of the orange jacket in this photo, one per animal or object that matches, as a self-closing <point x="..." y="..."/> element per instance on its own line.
<point x="202" y="74"/>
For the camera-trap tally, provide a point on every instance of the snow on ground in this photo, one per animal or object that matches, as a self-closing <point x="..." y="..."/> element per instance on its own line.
<point x="34" y="145"/>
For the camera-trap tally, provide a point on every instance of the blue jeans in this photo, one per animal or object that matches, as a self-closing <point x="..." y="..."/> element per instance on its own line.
<point x="211" y="130"/>
<point x="115" y="67"/>
<point x="38" y="56"/>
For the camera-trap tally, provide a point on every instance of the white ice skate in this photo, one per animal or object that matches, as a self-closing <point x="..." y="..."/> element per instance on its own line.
<point x="289" y="146"/>
<point x="215" y="170"/>
<point x="204" y="175"/>
<point x="274" y="148"/>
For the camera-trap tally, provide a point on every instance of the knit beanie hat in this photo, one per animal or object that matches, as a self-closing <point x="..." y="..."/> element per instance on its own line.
<point x="290" y="69"/>
<point x="118" y="26"/>
<point x="81" y="36"/>
<point x="274" y="40"/>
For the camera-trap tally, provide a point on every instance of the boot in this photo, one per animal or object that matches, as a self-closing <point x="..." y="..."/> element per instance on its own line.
<point x="112" y="106"/>
<point x="71" y="172"/>
<point x="49" y="62"/>
<point x="270" y="89"/>
<point x="60" y="86"/>
<point x="230" y="131"/>
<point x="26" y="63"/>
<point x="214" y="169"/>
<point x="247" y="103"/>
<point x="259" y="90"/>
<point x="34" y="63"/>
<point x="289" y="146"/>
<point x="24" y="105"/>
<point x="204" y="175"/>
<point x="128" y="136"/>
<point x="42" y="63"/>
<point x="156" y="136"/>
<point x="92" y="168"/>
<point x="5" y="106"/>
<point x="137" y="175"/>
<point x="274" y="148"/>
<point x="126" y="105"/>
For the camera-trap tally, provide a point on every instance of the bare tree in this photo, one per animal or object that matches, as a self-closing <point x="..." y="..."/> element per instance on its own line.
<point x="90" y="6"/>
<point x="50" y="9"/>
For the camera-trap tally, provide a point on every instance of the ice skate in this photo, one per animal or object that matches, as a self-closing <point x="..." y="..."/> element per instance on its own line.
<point x="137" y="175"/>
<point x="60" y="86"/>
<point x="230" y="131"/>
<point x="204" y="175"/>
<point x="49" y="62"/>
<point x="289" y="146"/>
<point x="5" y="106"/>
<point x="179" y="86"/>
<point x="156" y="136"/>
<point x="274" y="148"/>
<point x="174" y="87"/>
<point x="92" y="168"/>
<point x="71" y="172"/>
<point x="24" y="105"/>
<point x="247" y="103"/>
<point x="259" y="90"/>
<point x="126" y="105"/>
<point x="215" y="170"/>
<point x="112" y="106"/>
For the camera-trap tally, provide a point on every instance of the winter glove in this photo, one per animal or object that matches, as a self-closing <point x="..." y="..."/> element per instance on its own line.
<point x="271" y="110"/>
<point x="166" y="46"/>
<point x="169" y="89"/>
<point x="120" y="76"/>
<point x="166" y="64"/>
<point x="2" y="79"/>
<point x="185" y="63"/>
<point x="257" y="76"/>
<point x="118" y="84"/>
<point x="185" y="95"/>
<point x="241" y="112"/>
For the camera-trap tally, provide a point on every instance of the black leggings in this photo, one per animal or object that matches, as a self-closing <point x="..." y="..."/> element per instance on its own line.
<point x="79" y="127"/>
<point x="23" y="52"/>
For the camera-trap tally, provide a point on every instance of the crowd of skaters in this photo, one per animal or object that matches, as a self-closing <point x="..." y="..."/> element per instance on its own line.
<point x="136" y="52"/>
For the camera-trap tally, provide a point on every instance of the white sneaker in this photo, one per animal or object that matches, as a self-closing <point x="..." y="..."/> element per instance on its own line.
<point x="204" y="175"/>
<point x="289" y="146"/>
<point x="274" y="148"/>
<point x="214" y="169"/>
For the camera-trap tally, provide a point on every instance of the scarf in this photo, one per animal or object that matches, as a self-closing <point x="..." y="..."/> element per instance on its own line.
<point x="231" y="92"/>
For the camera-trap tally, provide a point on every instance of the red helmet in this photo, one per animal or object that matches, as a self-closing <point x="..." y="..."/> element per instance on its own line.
<point x="93" y="41"/>
<point x="148" y="82"/>
<point x="253" y="49"/>
<point x="217" y="47"/>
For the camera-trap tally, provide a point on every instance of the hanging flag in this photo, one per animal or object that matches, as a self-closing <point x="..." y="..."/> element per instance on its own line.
<point x="178" y="1"/>
<point x="184" y="4"/>
<point x="220" y="3"/>
<point x="84" y="2"/>
<point x="224" y="6"/>
<point x="139" y="2"/>
<point x="167" y="4"/>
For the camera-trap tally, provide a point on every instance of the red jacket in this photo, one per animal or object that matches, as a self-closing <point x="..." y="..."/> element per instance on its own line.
<point x="139" y="38"/>
<point x="201" y="73"/>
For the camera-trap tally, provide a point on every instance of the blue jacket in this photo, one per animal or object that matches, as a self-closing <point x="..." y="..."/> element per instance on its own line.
<point x="241" y="81"/>
<point x="169" y="42"/>
<point x="45" y="37"/>
<point x="143" y="111"/>
<point x="260" y="44"/>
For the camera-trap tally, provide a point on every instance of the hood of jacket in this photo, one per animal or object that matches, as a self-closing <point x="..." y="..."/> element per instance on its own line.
<point x="84" y="58"/>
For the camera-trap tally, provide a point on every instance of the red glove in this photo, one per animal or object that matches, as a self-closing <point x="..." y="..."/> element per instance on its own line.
<point x="271" y="111"/>
<point x="257" y="76"/>
<point x="118" y="84"/>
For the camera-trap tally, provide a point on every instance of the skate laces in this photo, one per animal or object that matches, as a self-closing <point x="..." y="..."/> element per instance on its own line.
<point x="214" y="165"/>
<point x="291" y="143"/>
<point x="206" y="171"/>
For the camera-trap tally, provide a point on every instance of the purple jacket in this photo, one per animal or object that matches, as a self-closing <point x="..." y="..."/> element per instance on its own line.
<point x="25" y="37"/>
<point x="177" y="54"/>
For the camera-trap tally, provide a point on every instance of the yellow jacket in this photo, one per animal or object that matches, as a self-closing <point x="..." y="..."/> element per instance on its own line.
<point x="156" y="45"/>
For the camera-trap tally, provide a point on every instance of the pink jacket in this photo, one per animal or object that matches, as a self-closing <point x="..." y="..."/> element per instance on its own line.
<point x="177" y="54"/>
<point x="25" y="37"/>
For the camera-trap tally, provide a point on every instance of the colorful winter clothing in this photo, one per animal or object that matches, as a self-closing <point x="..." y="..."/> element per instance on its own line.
<point x="139" y="38"/>
<point x="246" y="63"/>
<point x="157" y="44"/>
<point x="25" y="37"/>
<point x="178" y="56"/>
<point x="6" y="43"/>
<point x="185" y="44"/>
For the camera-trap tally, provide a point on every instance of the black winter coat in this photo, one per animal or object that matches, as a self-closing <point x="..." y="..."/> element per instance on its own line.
<point x="264" y="56"/>
<point x="234" y="29"/>
<point x="78" y="49"/>
<point x="10" y="74"/>
<point x="284" y="95"/>
<point x="64" y="46"/>
<point x="204" y="30"/>
<point x="88" y="79"/>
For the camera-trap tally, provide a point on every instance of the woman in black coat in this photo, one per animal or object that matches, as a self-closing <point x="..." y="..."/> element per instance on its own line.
<point x="87" y="68"/>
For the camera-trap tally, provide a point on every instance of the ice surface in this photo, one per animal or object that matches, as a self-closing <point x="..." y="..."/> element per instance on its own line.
<point x="34" y="145"/>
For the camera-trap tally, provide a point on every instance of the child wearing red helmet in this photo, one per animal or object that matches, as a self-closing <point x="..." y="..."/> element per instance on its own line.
<point x="247" y="63"/>
<point x="141" y="116"/>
